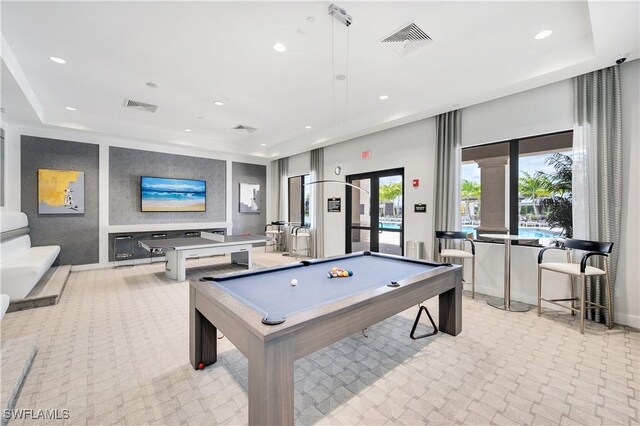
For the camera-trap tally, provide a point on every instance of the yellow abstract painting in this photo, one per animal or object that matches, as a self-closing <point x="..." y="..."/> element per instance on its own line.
<point x="60" y="191"/>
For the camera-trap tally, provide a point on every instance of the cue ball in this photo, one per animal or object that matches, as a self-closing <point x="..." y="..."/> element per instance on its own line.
<point x="294" y="282"/>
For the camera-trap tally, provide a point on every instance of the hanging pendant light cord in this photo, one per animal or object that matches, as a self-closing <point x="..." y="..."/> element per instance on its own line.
<point x="346" y="112"/>
<point x="333" y="81"/>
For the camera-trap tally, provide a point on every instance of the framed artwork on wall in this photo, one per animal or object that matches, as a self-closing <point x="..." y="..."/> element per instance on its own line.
<point x="249" y="198"/>
<point x="172" y="195"/>
<point x="60" y="191"/>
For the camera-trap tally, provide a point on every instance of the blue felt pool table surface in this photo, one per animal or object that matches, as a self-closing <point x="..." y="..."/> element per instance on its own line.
<point x="271" y="293"/>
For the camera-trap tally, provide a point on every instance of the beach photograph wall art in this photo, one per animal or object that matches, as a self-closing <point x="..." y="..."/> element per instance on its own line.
<point x="172" y="195"/>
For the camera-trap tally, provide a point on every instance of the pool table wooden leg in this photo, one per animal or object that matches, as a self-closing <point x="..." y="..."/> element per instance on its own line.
<point x="203" y="342"/>
<point x="271" y="381"/>
<point x="451" y="308"/>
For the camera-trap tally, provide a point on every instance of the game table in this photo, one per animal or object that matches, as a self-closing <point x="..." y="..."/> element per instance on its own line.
<point x="273" y="322"/>
<point x="178" y="250"/>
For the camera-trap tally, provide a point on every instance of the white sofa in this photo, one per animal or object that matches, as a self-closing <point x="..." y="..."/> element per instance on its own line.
<point x="21" y="266"/>
<point x="4" y="304"/>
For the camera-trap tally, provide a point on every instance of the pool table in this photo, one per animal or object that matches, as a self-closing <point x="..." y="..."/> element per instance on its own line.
<point x="273" y="323"/>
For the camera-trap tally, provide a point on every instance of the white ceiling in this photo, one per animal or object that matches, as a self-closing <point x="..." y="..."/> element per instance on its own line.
<point x="13" y="99"/>
<point x="198" y="52"/>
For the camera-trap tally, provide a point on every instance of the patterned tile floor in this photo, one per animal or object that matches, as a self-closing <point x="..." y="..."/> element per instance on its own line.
<point x="115" y="351"/>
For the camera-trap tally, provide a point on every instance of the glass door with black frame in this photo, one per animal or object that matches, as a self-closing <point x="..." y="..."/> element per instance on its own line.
<point x="391" y="222"/>
<point x="375" y="212"/>
<point x="359" y="220"/>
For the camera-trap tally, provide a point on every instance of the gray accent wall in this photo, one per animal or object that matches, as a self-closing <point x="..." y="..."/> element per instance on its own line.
<point x="252" y="223"/>
<point x="76" y="234"/>
<point x="126" y="166"/>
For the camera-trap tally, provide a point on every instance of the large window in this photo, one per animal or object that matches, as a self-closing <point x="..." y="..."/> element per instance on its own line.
<point x="299" y="195"/>
<point x="520" y="186"/>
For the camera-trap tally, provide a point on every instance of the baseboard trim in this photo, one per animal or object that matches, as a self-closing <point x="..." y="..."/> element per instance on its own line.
<point x="105" y="265"/>
<point x="632" y="321"/>
<point x="628" y="320"/>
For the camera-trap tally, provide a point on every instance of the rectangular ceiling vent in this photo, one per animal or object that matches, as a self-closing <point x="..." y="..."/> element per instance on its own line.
<point x="245" y="128"/>
<point x="405" y="40"/>
<point x="140" y="106"/>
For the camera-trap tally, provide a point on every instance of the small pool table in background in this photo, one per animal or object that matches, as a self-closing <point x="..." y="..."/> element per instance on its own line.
<point x="273" y="323"/>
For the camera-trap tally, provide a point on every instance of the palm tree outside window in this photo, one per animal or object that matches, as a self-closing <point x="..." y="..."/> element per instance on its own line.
<point x="532" y="176"/>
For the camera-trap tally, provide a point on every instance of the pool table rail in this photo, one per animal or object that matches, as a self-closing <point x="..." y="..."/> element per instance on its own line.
<point x="245" y="312"/>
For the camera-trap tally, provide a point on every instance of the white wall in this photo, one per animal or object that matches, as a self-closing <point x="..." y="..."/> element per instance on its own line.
<point x="412" y="146"/>
<point x="547" y="109"/>
<point x="13" y="133"/>
<point x="11" y="170"/>
<point x="299" y="164"/>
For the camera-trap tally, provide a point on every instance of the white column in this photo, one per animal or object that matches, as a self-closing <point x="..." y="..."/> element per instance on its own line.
<point x="229" y="197"/>
<point x="493" y="180"/>
<point x="103" y="203"/>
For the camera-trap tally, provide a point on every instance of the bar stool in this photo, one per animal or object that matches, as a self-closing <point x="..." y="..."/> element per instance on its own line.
<point x="300" y="234"/>
<point x="273" y="231"/>
<point x="123" y="250"/>
<point x="581" y="270"/>
<point x="156" y="252"/>
<point x="459" y="253"/>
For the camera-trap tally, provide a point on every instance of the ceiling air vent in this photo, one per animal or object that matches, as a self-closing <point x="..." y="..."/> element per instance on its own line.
<point x="140" y="106"/>
<point x="405" y="40"/>
<point x="245" y="128"/>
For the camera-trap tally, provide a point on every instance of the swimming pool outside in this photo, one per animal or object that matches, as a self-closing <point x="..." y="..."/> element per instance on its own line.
<point x="525" y="232"/>
<point x="390" y="225"/>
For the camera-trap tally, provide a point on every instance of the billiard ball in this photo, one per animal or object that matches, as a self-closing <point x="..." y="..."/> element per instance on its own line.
<point x="294" y="282"/>
<point x="201" y="366"/>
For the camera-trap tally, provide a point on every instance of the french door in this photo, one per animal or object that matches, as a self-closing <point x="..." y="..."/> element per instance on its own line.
<point x="375" y="212"/>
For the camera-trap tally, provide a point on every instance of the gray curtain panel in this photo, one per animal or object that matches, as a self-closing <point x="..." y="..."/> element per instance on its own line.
<point x="597" y="170"/>
<point x="317" y="203"/>
<point x="448" y="158"/>
<point x="283" y="189"/>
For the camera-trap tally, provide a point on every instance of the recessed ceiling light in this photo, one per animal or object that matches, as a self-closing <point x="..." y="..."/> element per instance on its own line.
<point x="543" y="34"/>
<point x="263" y="144"/>
<point x="307" y="127"/>
<point x="57" y="60"/>
<point x="311" y="19"/>
<point x="152" y="85"/>
<point x="187" y="130"/>
<point x="219" y="103"/>
<point x="341" y="77"/>
<point x="279" y="47"/>
<point x="70" y="108"/>
<point x="383" y="97"/>
<point x="200" y="118"/>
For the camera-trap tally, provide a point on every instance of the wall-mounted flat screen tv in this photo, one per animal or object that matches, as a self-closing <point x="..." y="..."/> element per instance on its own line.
<point x="172" y="195"/>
